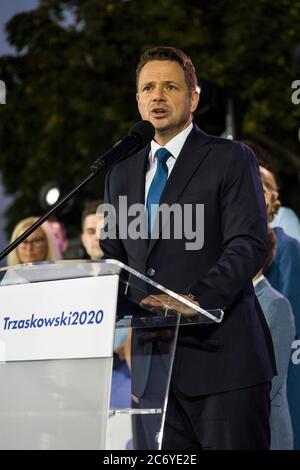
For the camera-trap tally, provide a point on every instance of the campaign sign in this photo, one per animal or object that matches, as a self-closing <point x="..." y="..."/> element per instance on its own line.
<point x="71" y="318"/>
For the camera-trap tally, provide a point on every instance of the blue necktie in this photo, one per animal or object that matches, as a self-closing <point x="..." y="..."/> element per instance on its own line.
<point x="157" y="185"/>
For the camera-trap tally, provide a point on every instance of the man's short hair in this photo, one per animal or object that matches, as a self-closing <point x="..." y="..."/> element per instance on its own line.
<point x="172" y="54"/>
<point x="90" y="208"/>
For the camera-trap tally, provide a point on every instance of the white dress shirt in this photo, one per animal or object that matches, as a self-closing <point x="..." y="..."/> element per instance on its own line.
<point x="174" y="146"/>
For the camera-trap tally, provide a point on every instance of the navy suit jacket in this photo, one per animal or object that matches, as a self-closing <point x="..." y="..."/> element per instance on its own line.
<point x="223" y="175"/>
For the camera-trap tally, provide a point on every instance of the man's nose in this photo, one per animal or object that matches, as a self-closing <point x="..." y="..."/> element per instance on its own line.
<point x="159" y="94"/>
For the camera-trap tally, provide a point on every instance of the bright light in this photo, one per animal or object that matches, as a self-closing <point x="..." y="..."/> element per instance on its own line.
<point x="52" y="196"/>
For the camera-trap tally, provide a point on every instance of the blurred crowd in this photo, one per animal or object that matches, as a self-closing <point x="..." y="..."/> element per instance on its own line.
<point x="50" y="241"/>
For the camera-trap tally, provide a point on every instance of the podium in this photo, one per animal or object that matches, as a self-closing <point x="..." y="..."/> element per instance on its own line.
<point x="82" y="364"/>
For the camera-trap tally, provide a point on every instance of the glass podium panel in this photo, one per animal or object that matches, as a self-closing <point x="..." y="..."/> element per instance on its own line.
<point x="133" y="285"/>
<point x="142" y="365"/>
<point x="136" y="287"/>
<point x="112" y="401"/>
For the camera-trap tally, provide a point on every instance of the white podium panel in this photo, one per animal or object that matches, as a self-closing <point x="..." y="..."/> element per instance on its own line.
<point x="54" y="404"/>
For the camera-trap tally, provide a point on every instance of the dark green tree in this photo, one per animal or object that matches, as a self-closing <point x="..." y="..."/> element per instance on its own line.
<point x="71" y="92"/>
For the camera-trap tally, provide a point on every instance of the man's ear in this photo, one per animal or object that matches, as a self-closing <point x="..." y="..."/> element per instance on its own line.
<point x="138" y="102"/>
<point x="195" y="98"/>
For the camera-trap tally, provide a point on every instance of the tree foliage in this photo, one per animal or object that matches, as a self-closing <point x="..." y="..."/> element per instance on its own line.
<point x="71" y="85"/>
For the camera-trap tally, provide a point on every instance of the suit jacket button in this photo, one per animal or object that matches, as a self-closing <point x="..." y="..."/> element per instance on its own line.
<point x="151" y="272"/>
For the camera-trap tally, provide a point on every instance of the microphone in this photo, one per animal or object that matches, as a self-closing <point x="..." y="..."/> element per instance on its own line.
<point x="138" y="137"/>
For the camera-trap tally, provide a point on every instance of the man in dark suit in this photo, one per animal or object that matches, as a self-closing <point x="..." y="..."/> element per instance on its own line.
<point x="220" y="386"/>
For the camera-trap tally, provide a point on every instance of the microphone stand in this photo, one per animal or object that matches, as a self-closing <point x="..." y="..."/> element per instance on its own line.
<point x="100" y="164"/>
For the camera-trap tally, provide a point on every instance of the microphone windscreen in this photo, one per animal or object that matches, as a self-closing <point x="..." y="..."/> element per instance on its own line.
<point x="144" y="131"/>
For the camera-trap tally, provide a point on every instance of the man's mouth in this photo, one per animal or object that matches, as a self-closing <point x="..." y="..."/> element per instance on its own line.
<point x="159" y="112"/>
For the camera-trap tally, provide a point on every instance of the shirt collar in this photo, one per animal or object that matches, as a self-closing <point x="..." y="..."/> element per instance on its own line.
<point x="174" y="145"/>
<point x="260" y="278"/>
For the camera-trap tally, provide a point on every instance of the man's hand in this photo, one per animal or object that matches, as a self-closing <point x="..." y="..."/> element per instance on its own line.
<point x="159" y="303"/>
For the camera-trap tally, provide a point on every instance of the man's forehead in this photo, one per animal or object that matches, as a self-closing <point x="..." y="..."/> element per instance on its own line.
<point x="162" y="70"/>
<point x="92" y="219"/>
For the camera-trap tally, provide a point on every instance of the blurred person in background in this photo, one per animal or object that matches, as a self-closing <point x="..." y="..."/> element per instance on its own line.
<point x="38" y="246"/>
<point x="280" y="319"/>
<point x="91" y="224"/>
<point x="284" y="272"/>
<point x="285" y="217"/>
<point x="60" y="234"/>
<point x="284" y="276"/>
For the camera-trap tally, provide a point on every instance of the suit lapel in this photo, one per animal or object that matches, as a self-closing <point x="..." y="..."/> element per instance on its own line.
<point x="190" y="158"/>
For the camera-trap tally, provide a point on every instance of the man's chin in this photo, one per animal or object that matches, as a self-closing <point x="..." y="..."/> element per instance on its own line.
<point x="158" y="123"/>
<point x="161" y="128"/>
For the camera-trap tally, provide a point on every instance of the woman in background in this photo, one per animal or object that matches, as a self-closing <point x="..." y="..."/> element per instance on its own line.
<point x="38" y="246"/>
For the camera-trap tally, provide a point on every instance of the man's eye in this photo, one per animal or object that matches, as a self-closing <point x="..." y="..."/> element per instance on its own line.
<point x="146" y="88"/>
